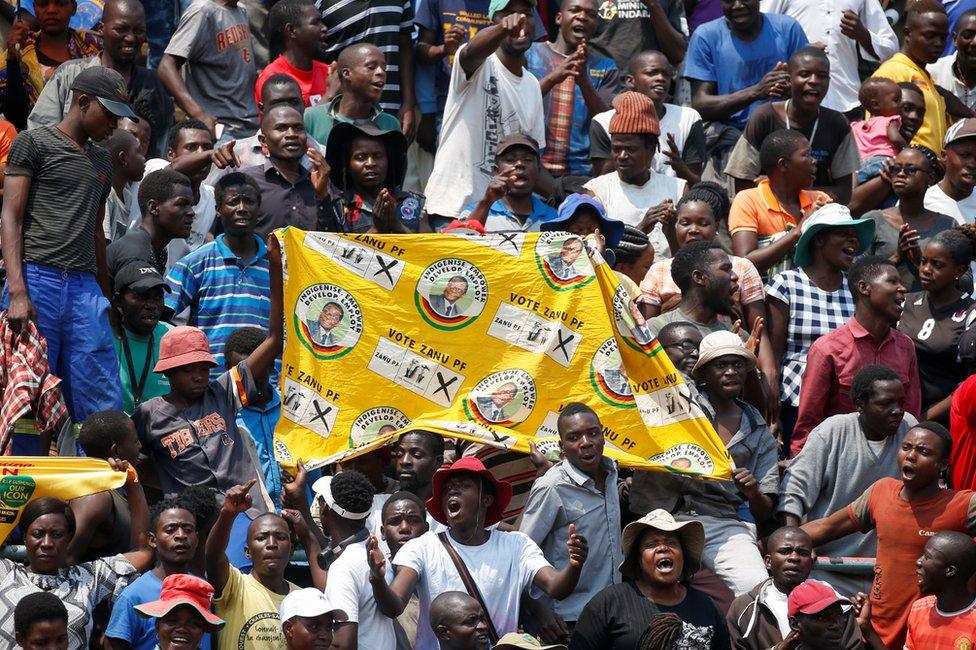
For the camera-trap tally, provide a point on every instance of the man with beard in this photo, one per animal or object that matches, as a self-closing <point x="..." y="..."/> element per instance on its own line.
<point x="487" y="72"/>
<point x="703" y="272"/>
<point x="467" y="498"/>
<point x="843" y="456"/>
<point x="759" y="620"/>
<point x="868" y="336"/>
<point x="174" y="536"/>
<point x="946" y="615"/>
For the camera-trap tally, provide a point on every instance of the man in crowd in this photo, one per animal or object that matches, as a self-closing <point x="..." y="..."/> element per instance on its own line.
<point x="225" y="283"/>
<point x="55" y="259"/>
<point x="844" y="455"/>
<point x="626" y="28"/>
<point x="576" y="84"/>
<point x="459" y="622"/>
<point x="123" y="35"/>
<point x="128" y="168"/>
<point x="487" y="71"/>
<point x="868" y="336"/>
<point x="209" y="68"/>
<point x="297" y="33"/>
<point x="957" y="71"/>
<point x="819" y="616"/>
<point x="418" y="454"/>
<point x="953" y="194"/>
<point x="403" y="518"/>
<point x="174" y="536"/>
<point x="945" y="616"/>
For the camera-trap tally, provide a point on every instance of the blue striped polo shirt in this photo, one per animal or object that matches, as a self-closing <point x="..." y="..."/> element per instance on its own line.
<point x="223" y="292"/>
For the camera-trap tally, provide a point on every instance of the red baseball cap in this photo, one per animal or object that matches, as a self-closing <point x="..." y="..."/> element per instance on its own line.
<point x="812" y="597"/>
<point x="182" y="346"/>
<point x="469" y="465"/>
<point x="183" y="589"/>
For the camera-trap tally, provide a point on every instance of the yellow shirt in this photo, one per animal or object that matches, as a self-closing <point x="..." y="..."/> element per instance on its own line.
<point x="251" y="613"/>
<point x="900" y="68"/>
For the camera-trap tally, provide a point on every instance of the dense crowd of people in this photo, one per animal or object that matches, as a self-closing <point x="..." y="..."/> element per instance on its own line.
<point x="785" y="190"/>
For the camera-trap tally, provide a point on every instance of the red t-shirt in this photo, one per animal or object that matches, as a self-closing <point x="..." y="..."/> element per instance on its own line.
<point x="962" y="426"/>
<point x="903" y="529"/>
<point x="928" y="627"/>
<point x="312" y="82"/>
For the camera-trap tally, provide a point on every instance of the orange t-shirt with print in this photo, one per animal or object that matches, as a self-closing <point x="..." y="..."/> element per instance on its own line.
<point x="903" y="529"/>
<point x="930" y="627"/>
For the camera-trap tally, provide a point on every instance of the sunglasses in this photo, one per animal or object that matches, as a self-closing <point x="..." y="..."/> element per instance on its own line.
<point x="909" y="170"/>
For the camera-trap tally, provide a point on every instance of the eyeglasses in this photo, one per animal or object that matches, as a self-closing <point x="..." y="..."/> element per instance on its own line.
<point x="685" y="346"/>
<point x="909" y="170"/>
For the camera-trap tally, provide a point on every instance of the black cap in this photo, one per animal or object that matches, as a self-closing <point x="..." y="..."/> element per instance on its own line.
<point x="108" y="86"/>
<point x="139" y="277"/>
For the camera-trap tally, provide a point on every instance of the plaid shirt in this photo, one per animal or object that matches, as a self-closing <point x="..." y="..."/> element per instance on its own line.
<point x="657" y="287"/>
<point x="813" y="313"/>
<point x="28" y="385"/>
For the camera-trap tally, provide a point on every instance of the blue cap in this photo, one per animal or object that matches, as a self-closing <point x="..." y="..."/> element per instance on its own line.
<point x="611" y="229"/>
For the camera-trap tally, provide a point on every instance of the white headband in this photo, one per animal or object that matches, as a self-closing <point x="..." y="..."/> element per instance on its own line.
<point x="323" y="488"/>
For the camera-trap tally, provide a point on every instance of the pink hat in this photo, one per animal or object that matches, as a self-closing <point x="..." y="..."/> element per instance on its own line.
<point x="469" y="465"/>
<point x="182" y="346"/>
<point x="183" y="589"/>
<point x="812" y="597"/>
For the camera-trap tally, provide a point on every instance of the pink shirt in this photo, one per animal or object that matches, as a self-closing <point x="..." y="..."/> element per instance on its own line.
<point x="311" y="82"/>
<point x="871" y="136"/>
<point x="833" y="361"/>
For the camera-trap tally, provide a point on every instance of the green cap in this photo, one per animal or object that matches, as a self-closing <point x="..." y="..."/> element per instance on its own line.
<point x="497" y="5"/>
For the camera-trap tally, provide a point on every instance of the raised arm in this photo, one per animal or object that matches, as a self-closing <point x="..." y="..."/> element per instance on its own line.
<point x="391" y="599"/>
<point x="142" y="556"/>
<point x="485" y="42"/>
<point x="714" y="107"/>
<point x="827" y="529"/>
<point x="236" y="501"/>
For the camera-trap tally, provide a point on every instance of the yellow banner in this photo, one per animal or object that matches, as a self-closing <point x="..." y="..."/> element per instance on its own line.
<point x="483" y="338"/>
<point x="26" y="478"/>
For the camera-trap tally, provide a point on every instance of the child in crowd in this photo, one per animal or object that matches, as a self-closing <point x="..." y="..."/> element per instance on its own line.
<point x="882" y="135"/>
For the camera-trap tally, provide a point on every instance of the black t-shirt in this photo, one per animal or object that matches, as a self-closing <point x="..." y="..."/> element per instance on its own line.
<point x="69" y="185"/>
<point x="625" y="28"/>
<point x="615" y="618"/>
<point x="133" y="246"/>
<point x="936" y="333"/>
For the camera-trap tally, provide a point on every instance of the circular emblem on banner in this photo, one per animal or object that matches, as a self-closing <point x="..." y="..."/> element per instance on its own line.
<point x="636" y="337"/>
<point x="328" y="320"/>
<point x="563" y="260"/>
<point x="505" y="398"/>
<point x="374" y="423"/>
<point x="451" y="294"/>
<point x="609" y="377"/>
<point x="686" y="457"/>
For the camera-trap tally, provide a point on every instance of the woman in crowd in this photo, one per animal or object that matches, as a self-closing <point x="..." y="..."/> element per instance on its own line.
<point x="47" y="525"/>
<point x="182" y="612"/>
<point x="936" y="317"/>
<point x="903" y="230"/>
<point x="660" y="555"/>
<point x="634" y="255"/>
<point x="812" y="298"/>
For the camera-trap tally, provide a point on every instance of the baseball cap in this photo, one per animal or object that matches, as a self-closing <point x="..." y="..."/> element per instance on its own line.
<point x="497" y="5"/>
<point x="138" y="277"/>
<point x="516" y="140"/>
<point x="308" y="603"/>
<point x="812" y="597"/>
<point x="108" y="86"/>
<point x="323" y="488"/>
<point x="961" y="130"/>
<point x="183" y="589"/>
<point x="182" y="346"/>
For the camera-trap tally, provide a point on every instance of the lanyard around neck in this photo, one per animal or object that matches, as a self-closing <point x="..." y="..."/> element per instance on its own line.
<point x="816" y="122"/>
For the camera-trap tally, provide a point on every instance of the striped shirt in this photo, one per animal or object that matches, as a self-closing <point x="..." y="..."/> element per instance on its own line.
<point x="222" y="291"/>
<point x="379" y="22"/>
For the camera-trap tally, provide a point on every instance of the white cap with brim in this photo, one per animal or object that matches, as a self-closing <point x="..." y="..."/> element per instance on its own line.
<point x="323" y="488"/>
<point x="832" y="215"/>
<point x="309" y="603"/>
<point x="720" y="344"/>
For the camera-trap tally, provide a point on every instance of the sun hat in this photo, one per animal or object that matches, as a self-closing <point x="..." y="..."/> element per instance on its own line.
<point x="522" y="641"/>
<point x="337" y="151"/>
<point x="108" y="87"/>
<point x="183" y="589"/>
<point x="719" y="344"/>
<point x="182" y="346"/>
<point x="692" y="535"/>
<point x="612" y="229"/>
<point x="635" y="113"/>
<point x="323" y="488"/>
<point x="469" y="465"/>
<point x="812" y="597"/>
<point x="831" y="215"/>
<point x="308" y="603"/>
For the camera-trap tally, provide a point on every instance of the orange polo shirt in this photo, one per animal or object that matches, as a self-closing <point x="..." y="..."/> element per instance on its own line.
<point x="758" y="210"/>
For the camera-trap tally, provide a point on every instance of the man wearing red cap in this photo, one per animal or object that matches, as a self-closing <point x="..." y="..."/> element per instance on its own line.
<point x="818" y="618"/>
<point x="492" y="566"/>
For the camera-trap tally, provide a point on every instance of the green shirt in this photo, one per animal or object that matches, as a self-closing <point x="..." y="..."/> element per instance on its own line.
<point x="320" y="119"/>
<point x="156" y="383"/>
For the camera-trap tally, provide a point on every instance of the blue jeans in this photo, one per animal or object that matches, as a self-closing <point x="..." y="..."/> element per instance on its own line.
<point x="871" y="168"/>
<point x="72" y="315"/>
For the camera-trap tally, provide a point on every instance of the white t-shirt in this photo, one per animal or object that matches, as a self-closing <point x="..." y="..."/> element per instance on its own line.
<point x="775" y="600"/>
<point x="348" y="589"/>
<point x="677" y="121"/>
<point x="628" y="203"/>
<point x="502" y="568"/>
<point x="479" y="111"/>
<point x="962" y="211"/>
<point x="205" y="209"/>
